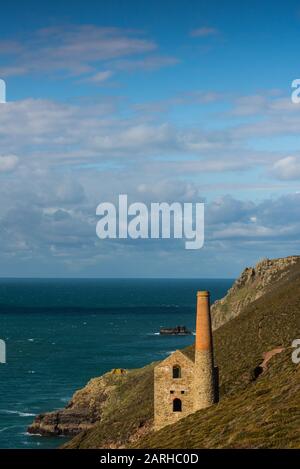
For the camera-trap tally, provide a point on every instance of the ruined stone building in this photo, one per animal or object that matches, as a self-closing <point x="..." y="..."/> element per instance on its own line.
<point x="186" y="382"/>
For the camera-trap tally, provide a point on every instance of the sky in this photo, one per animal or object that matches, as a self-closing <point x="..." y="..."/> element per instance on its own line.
<point x="165" y="101"/>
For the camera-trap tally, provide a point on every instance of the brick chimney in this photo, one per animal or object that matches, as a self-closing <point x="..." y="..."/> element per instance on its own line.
<point x="205" y="376"/>
<point x="203" y="323"/>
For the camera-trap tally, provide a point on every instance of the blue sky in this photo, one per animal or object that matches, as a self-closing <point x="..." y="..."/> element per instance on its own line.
<point x="165" y="101"/>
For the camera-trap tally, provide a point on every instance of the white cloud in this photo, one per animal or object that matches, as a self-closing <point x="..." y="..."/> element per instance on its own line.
<point x="287" y="168"/>
<point x="50" y="134"/>
<point x="8" y="163"/>
<point x="100" y="77"/>
<point x="78" y="50"/>
<point x="75" y="155"/>
<point x="189" y="98"/>
<point x="148" y="63"/>
<point x="270" y="103"/>
<point x="204" y="31"/>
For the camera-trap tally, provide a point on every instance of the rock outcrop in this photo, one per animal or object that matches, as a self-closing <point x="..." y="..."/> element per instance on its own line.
<point x="261" y="312"/>
<point x="253" y="283"/>
<point x="120" y="402"/>
<point x="85" y="408"/>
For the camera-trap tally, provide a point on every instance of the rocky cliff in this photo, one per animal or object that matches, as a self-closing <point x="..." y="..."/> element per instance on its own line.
<point x="87" y="406"/>
<point x="259" y="384"/>
<point x="264" y="414"/>
<point x="253" y="283"/>
<point x="121" y="402"/>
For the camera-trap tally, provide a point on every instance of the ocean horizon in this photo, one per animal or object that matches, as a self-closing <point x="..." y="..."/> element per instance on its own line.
<point x="60" y="333"/>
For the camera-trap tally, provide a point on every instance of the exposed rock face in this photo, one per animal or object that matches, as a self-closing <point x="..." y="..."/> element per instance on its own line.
<point x="85" y="408"/>
<point x="116" y="409"/>
<point x="251" y="285"/>
<point x="119" y="404"/>
<point x="62" y="422"/>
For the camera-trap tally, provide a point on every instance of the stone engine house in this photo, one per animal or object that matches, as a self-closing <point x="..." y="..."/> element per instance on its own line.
<point x="187" y="381"/>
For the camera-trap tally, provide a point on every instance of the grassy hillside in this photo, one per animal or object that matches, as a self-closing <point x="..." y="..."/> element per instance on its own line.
<point x="253" y="283"/>
<point x="255" y="409"/>
<point x="266" y="414"/>
<point x="126" y="415"/>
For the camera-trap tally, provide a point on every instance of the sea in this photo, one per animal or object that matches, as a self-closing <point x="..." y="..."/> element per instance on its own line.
<point x="59" y="333"/>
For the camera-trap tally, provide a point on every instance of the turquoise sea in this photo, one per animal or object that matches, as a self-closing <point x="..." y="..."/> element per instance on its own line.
<point x="61" y="333"/>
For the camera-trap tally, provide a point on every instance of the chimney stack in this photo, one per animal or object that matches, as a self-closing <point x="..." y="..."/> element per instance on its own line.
<point x="203" y="323"/>
<point x="205" y="372"/>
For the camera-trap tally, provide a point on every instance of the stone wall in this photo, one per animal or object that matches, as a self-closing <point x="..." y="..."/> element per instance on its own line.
<point x="205" y="380"/>
<point x="164" y="383"/>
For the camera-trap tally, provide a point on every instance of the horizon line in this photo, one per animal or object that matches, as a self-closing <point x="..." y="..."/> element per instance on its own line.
<point x="114" y="278"/>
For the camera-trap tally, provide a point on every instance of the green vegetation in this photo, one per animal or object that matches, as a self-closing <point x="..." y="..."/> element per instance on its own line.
<point x="128" y="411"/>
<point x="254" y="411"/>
<point x="266" y="414"/>
<point x="253" y="283"/>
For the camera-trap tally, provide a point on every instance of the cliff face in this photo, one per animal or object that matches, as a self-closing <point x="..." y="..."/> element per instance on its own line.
<point x="86" y="407"/>
<point x="259" y="384"/>
<point x="122" y="404"/>
<point x="253" y="283"/>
